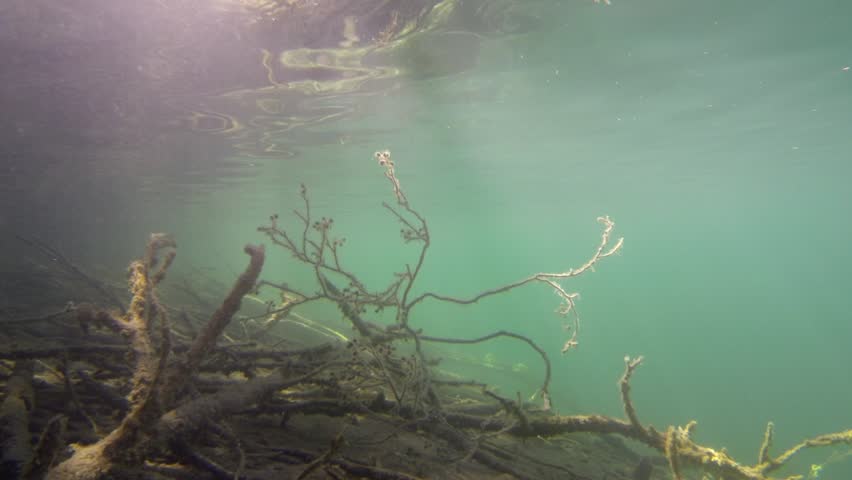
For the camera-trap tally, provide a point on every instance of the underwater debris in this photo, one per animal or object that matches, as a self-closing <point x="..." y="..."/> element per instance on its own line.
<point x="370" y="405"/>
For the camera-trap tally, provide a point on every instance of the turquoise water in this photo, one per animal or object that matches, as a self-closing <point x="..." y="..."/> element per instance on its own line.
<point x="715" y="134"/>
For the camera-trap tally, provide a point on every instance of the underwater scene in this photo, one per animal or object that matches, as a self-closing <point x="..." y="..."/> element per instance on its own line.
<point x="426" y="239"/>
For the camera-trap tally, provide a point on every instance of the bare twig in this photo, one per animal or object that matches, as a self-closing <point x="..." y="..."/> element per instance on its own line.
<point x="545" y="387"/>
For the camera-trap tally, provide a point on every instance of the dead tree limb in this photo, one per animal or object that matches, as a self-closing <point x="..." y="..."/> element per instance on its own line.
<point x="195" y="414"/>
<point x="220" y="319"/>
<point x="119" y="446"/>
<point x="180" y="373"/>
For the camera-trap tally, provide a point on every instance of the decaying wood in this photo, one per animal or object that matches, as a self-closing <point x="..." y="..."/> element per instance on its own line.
<point x="367" y="406"/>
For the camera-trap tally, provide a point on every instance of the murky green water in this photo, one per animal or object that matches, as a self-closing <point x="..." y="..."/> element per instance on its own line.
<point x="715" y="134"/>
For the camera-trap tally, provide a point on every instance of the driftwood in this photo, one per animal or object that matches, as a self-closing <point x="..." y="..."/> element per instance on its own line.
<point x="138" y="432"/>
<point x="123" y="394"/>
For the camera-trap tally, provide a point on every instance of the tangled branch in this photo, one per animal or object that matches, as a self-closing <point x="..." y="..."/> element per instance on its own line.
<point x="377" y="395"/>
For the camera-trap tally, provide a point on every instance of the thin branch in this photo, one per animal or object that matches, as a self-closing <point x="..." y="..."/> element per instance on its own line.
<point x="603" y="250"/>
<point x="545" y="388"/>
<point x="624" y="386"/>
